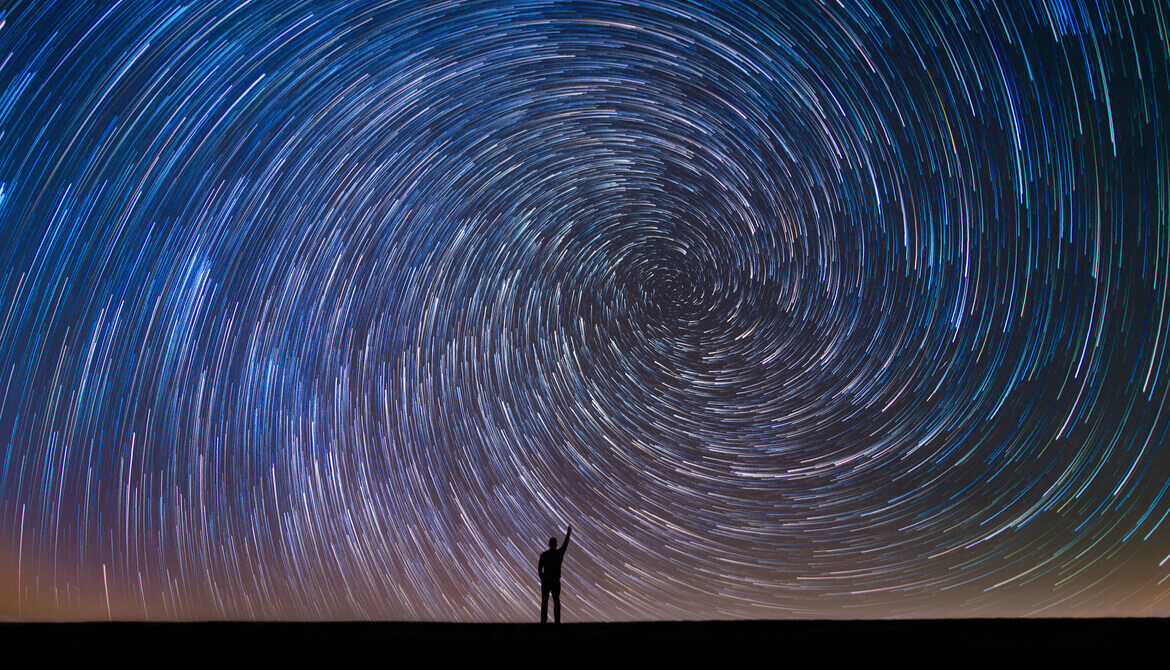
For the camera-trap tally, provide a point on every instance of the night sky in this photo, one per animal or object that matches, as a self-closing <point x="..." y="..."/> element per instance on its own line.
<point x="798" y="309"/>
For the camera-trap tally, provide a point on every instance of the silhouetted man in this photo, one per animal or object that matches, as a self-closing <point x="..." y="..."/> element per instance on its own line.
<point x="549" y="569"/>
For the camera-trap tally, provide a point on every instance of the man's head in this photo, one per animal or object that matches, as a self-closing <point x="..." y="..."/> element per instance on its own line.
<point x="552" y="543"/>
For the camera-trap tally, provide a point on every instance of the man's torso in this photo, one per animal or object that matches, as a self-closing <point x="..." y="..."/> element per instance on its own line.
<point x="551" y="560"/>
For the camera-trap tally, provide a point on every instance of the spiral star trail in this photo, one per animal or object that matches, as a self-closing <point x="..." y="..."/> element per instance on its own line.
<point x="340" y="310"/>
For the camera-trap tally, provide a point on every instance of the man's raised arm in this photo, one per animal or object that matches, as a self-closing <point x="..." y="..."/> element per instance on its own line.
<point x="567" y="536"/>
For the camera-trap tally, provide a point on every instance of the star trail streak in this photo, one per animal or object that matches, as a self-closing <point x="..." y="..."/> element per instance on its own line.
<point x="340" y="310"/>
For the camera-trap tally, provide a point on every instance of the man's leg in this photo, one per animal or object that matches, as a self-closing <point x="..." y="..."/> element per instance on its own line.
<point x="544" y="603"/>
<point x="556" y="594"/>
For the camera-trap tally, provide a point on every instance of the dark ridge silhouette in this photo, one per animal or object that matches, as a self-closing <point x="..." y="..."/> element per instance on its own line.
<point x="937" y="643"/>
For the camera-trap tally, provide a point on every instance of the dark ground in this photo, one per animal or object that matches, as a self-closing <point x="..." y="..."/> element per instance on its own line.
<point x="795" y="644"/>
